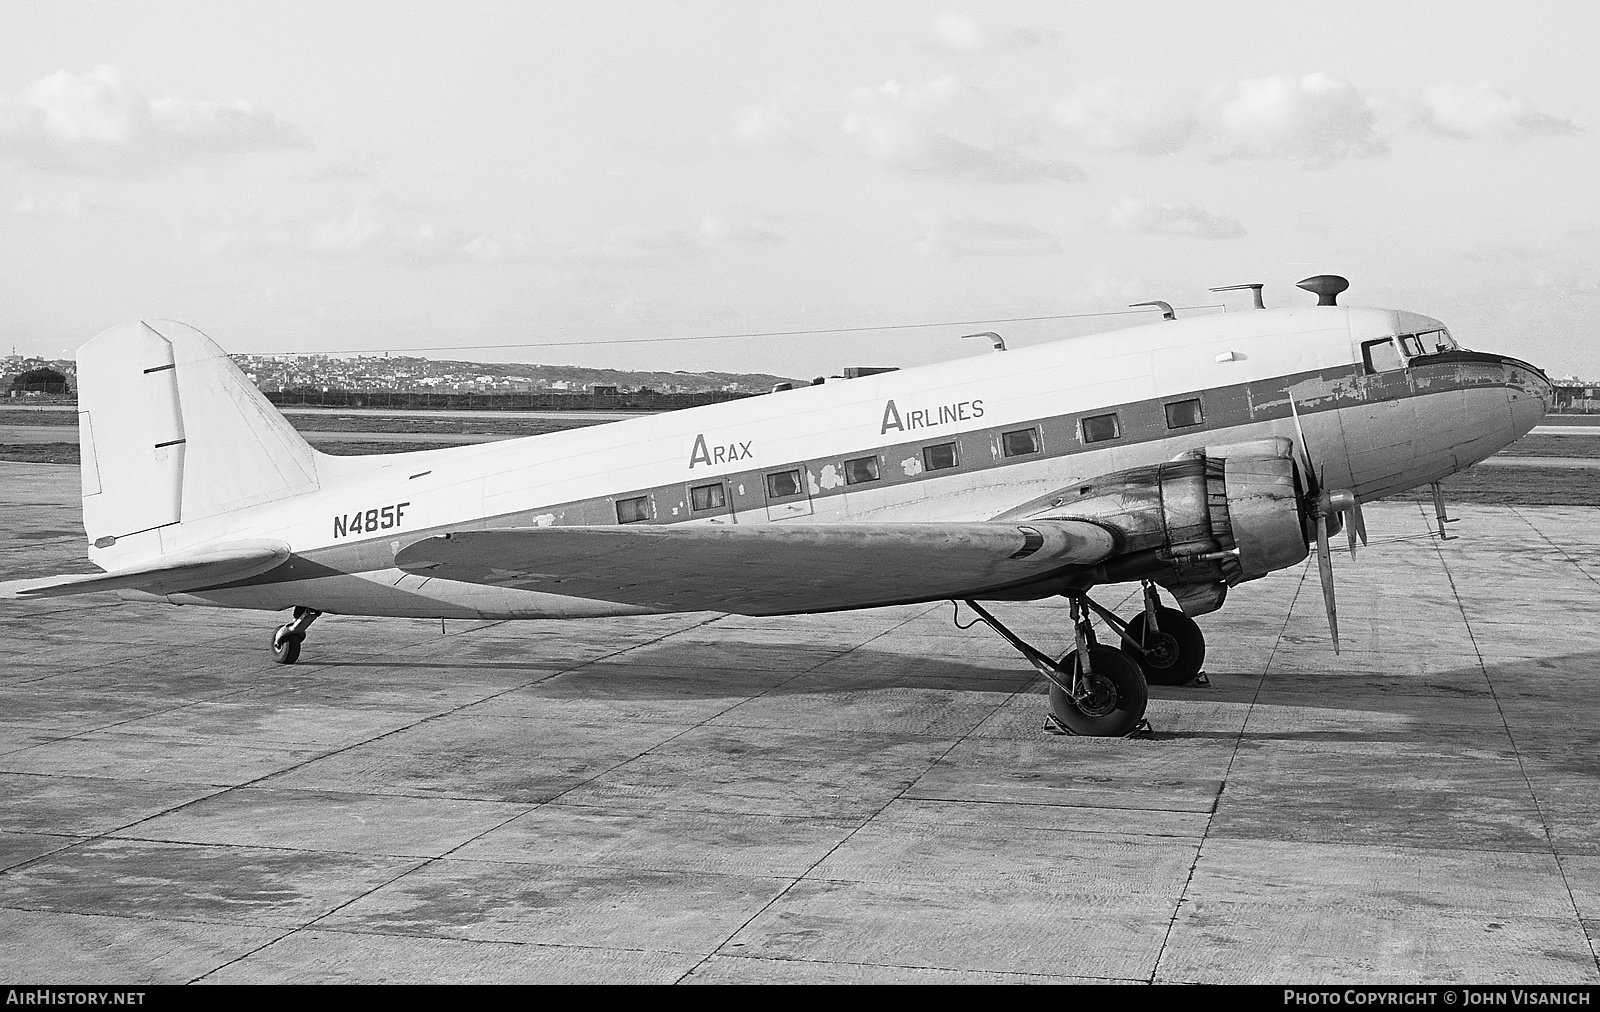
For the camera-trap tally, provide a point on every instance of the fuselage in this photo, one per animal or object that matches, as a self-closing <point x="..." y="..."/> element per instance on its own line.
<point x="1385" y="400"/>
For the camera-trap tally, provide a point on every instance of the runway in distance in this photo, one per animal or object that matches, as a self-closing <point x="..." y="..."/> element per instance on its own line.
<point x="1190" y="455"/>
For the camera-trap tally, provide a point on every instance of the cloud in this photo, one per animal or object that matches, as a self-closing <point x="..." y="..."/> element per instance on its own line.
<point x="1316" y="120"/>
<point x="716" y="229"/>
<point x="1483" y="111"/>
<point x="964" y="237"/>
<point x="948" y="128"/>
<point x="683" y="243"/>
<point x="768" y="126"/>
<point x="960" y="32"/>
<point x="1505" y="254"/>
<point x="65" y="205"/>
<point x="1132" y="214"/>
<point x="374" y="229"/>
<point x="97" y="123"/>
<point x="1111" y="115"/>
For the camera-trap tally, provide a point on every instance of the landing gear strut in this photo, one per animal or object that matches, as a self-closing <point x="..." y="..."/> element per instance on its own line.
<point x="286" y="639"/>
<point x="1095" y="690"/>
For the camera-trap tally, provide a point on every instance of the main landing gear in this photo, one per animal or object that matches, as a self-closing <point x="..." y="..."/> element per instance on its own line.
<point x="1101" y="691"/>
<point x="286" y="639"/>
<point x="1166" y="644"/>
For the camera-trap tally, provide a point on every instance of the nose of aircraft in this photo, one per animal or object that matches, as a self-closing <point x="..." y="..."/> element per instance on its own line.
<point x="1532" y="394"/>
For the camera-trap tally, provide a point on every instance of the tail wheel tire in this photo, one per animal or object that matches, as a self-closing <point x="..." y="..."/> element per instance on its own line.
<point x="285" y="646"/>
<point x="1115" y="702"/>
<point x="1174" y="654"/>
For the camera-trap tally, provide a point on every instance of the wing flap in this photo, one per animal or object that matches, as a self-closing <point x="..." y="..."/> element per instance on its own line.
<point x="167" y="575"/>
<point x="762" y="569"/>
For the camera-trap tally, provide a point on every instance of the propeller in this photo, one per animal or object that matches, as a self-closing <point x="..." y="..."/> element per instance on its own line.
<point x="1319" y="506"/>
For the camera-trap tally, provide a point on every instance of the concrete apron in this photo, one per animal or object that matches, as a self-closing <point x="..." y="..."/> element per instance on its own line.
<point x="860" y="797"/>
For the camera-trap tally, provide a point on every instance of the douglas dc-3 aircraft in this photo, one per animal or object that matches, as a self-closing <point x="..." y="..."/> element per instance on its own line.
<point x="1192" y="454"/>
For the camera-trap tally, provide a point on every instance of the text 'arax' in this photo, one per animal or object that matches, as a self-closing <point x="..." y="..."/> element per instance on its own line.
<point x="719" y="454"/>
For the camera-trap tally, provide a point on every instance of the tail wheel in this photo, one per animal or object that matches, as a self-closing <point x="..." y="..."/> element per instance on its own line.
<point x="1172" y="656"/>
<point x="1114" y="702"/>
<point x="286" y="645"/>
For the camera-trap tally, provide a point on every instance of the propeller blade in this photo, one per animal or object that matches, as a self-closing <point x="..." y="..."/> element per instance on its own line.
<point x="1325" y="570"/>
<point x="1313" y="480"/>
<point x="1343" y="502"/>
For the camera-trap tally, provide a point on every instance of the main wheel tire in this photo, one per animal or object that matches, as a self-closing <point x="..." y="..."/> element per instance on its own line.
<point x="285" y="646"/>
<point x="1174" y="663"/>
<point x="1116" y="701"/>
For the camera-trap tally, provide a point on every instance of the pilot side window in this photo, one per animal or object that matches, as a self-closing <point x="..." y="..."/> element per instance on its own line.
<point x="1184" y="413"/>
<point x="707" y="497"/>
<point x="1015" y="444"/>
<point x="1381" y="356"/>
<point x="939" y="456"/>
<point x="860" y="469"/>
<point x="782" y="484"/>
<point x="631" y="511"/>
<point x="1411" y="345"/>
<point x="1099" y="428"/>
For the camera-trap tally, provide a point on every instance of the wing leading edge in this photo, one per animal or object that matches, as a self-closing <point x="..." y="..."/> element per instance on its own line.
<point x="762" y="569"/>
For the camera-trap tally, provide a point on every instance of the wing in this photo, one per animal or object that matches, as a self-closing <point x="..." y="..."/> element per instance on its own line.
<point x="774" y="569"/>
<point x="166" y="575"/>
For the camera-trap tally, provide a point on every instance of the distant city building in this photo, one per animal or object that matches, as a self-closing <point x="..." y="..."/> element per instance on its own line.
<point x="37" y="377"/>
<point x="1576" y="396"/>
<point x="858" y="371"/>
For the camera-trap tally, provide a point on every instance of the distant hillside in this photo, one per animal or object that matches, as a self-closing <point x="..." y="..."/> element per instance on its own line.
<point x="410" y="373"/>
<point x="413" y="373"/>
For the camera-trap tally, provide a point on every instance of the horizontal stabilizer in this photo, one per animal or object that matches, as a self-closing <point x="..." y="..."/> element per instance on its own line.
<point x="774" y="569"/>
<point x="167" y="575"/>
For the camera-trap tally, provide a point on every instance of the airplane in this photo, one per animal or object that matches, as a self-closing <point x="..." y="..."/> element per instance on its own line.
<point x="1190" y="455"/>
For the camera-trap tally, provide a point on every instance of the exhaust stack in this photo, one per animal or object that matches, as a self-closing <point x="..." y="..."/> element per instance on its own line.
<point x="1255" y="292"/>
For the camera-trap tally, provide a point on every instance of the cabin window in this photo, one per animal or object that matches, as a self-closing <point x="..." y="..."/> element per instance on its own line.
<point x="1019" y="442"/>
<point x="1184" y="413"/>
<point x="707" y="497"/>
<point x="860" y="469"/>
<point x="631" y="511"/>
<point x="1381" y="356"/>
<point x="782" y="484"/>
<point x="1099" y="428"/>
<point x="939" y="456"/>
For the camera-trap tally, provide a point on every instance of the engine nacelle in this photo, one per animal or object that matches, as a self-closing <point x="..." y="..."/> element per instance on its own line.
<point x="1264" y="519"/>
<point x="1205" y="521"/>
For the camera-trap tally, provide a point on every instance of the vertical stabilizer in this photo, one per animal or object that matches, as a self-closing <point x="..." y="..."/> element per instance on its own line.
<point x="171" y="431"/>
<point x="240" y="451"/>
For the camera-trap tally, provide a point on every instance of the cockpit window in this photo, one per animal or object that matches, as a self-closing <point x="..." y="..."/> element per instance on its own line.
<point x="1435" y="341"/>
<point x="1410" y="345"/>
<point x="1381" y="355"/>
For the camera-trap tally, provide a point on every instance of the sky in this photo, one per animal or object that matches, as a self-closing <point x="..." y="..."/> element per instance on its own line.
<point x="612" y="183"/>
